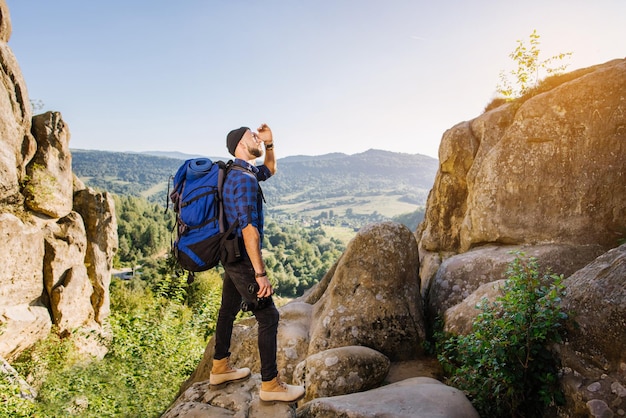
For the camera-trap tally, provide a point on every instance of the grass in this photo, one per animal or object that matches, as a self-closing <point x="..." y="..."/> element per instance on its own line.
<point x="386" y="205"/>
<point x="341" y="233"/>
<point x="156" y="189"/>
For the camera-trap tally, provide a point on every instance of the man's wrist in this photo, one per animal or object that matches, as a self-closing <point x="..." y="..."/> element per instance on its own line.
<point x="269" y="146"/>
<point x="261" y="274"/>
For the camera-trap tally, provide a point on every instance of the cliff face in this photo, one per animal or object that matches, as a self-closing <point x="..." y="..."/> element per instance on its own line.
<point x="550" y="169"/>
<point x="58" y="237"/>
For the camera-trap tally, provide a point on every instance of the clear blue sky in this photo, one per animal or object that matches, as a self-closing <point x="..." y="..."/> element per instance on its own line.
<point x="326" y="75"/>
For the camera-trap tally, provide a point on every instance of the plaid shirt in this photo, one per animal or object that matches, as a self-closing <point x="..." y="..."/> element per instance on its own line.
<point x="243" y="198"/>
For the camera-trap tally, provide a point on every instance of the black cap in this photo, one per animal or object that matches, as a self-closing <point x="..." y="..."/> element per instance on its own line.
<point x="233" y="138"/>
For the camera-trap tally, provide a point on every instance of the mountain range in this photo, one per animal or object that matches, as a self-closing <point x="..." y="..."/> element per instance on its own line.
<point x="373" y="182"/>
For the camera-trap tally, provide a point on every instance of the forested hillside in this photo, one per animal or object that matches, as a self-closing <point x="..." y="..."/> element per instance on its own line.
<point x="124" y="173"/>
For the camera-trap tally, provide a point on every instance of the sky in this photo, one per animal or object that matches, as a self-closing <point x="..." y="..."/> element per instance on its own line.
<point x="326" y="75"/>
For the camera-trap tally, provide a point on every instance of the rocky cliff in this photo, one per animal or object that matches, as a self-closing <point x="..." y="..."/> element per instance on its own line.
<point x="544" y="175"/>
<point x="58" y="237"/>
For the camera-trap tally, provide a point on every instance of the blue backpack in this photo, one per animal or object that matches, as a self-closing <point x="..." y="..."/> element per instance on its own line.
<point x="200" y="221"/>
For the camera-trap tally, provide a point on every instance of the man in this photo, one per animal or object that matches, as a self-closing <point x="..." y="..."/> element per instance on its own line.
<point x="245" y="278"/>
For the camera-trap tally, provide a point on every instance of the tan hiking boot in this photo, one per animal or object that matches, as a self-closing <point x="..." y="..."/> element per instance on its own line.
<point x="222" y="372"/>
<point x="275" y="390"/>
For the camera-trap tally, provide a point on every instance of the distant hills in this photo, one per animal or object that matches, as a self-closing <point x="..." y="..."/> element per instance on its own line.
<point x="373" y="185"/>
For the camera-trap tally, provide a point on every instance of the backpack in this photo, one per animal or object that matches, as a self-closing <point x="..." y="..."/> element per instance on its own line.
<point x="200" y="220"/>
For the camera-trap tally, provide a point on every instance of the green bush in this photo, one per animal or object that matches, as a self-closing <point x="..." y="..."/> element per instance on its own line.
<point x="505" y="365"/>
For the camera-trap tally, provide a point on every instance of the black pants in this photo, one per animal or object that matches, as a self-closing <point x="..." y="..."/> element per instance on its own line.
<point x="237" y="277"/>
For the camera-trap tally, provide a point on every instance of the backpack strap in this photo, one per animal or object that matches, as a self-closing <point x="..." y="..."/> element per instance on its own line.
<point x="232" y="166"/>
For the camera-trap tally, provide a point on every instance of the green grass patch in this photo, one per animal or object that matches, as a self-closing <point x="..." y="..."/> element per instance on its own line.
<point x="386" y="205"/>
<point x="160" y="188"/>
<point x="341" y="233"/>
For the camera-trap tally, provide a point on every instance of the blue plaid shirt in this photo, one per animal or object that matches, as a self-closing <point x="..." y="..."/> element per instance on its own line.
<point x="243" y="199"/>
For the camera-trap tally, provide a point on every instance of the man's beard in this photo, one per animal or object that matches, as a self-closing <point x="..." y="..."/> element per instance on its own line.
<point x="256" y="152"/>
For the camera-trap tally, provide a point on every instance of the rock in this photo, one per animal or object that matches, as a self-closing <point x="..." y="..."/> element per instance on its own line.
<point x="420" y="397"/>
<point x="5" y="22"/>
<point x="22" y="326"/>
<point x="18" y="145"/>
<point x="24" y="319"/>
<point x="593" y="358"/>
<point x="416" y="398"/>
<point x="98" y="213"/>
<point x="21" y="264"/>
<point x="238" y="399"/>
<point x="70" y="306"/>
<point x="340" y="371"/>
<point x="7" y="372"/>
<point x="459" y="276"/>
<point x="65" y="275"/>
<point x="48" y="188"/>
<point x="459" y="319"/>
<point x="548" y="169"/>
<point x="373" y="299"/>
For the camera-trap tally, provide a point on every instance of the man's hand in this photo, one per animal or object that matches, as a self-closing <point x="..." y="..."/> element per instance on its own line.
<point x="265" y="287"/>
<point x="251" y="240"/>
<point x="265" y="134"/>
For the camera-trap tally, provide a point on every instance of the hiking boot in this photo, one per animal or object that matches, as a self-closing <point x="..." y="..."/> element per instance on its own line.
<point x="275" y="390"/>
<point x="222" y="372"/>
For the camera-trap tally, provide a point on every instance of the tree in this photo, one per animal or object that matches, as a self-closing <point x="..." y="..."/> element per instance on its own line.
<point x="529" y="68"/>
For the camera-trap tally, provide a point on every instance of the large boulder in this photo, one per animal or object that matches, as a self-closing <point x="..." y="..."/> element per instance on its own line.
<point x="373" y="299"/>
<point x="24" y="319"/>
<point x="65" y="275"/>
<point x="459" y="276"/>
<point x="459" y="319"/>
<point x="22" y="326"/>
<point x="420" y="397"/>
<point x="594" y="357"/>
<point x="48" y="188"/>
<point x="545" y="174"/>
<point x="98" y="213"/>
<point x="547" y="169"/>
<point x="340" y="371"/>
